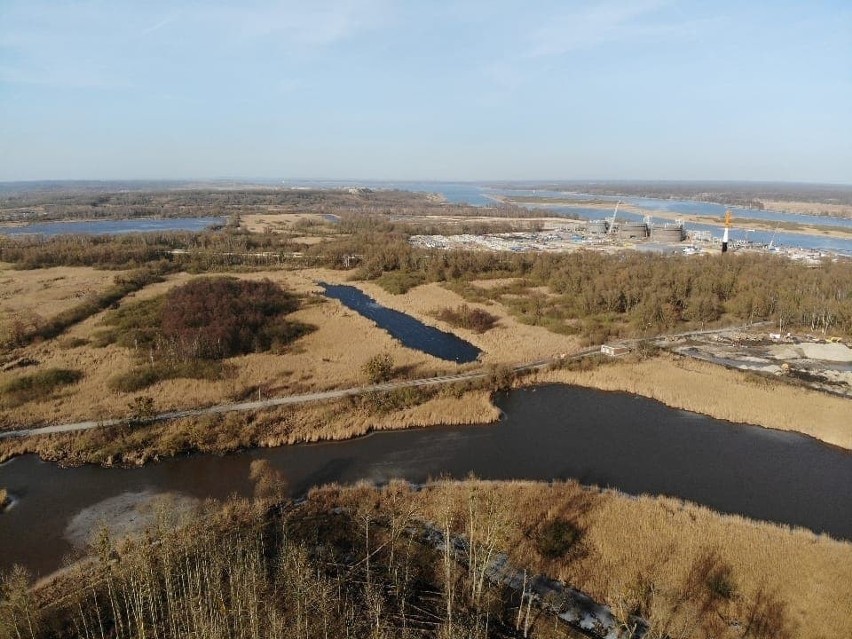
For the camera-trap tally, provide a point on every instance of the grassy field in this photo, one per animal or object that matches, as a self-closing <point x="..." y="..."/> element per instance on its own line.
<point x="329" y="357"/>
<point x="332" y="356"/>
<point x="722" y="393"/>
<point x="48" y="292"/>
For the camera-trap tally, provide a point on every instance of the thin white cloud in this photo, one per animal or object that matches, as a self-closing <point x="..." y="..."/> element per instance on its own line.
<point x="159" y="25"/>
<point x="599" y="24"/>
<point x="98" y="44"/>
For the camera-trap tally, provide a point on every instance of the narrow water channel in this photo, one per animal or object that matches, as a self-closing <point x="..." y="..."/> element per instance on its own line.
<point x="548" y="433"/>
<point x="409" y="331"/>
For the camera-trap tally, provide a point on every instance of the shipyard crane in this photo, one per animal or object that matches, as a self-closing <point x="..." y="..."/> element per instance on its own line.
<point x="612" y="221"/>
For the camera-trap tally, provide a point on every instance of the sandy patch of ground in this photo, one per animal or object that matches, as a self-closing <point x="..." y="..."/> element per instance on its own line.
<point x="806" y="350"/>
<point x="127" y="514"/>
<point x="49" y="291"/>
<point x="277" y="222"/>
<point x="725" y="394"/>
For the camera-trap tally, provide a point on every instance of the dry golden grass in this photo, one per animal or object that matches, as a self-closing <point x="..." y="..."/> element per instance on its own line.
<point x="277" y="222"/>
<point x="722" y="393"/>
<point x="332" y="356"/>
<point x="625" y="540"/>
<point x="497" y="282"/>
<point x="329" y="357"/>
<point x="329" y="421"/>
<point x="509" y="341"/>
<point x="47" y="292"/>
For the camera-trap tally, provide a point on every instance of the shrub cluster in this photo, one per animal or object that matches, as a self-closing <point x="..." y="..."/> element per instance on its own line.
<point x="556" y="538"/>
<point x="216" y="318"/>
<point x="40" y="385"/>
<point x="473" y="319"/>
<point x="187" y="332"/>
<point x="208" y="318"/>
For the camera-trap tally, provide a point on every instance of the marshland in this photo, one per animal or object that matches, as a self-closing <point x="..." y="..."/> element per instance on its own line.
<point x="127" y="327"/>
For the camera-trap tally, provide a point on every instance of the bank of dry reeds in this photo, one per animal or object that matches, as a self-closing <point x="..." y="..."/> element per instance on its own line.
<point x="722" y="393"/>
<point x="691" y="571"/>
<point x="246" y="571"/>
<point x="137" y="444"/>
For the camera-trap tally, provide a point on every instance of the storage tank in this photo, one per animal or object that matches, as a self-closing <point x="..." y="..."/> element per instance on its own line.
<point x="632" y="230"/>
<point x="596" y="227"/>
<point x="668" y="233"/>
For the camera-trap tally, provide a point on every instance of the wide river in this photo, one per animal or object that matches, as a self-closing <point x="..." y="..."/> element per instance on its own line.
<point x="547" y="433"/>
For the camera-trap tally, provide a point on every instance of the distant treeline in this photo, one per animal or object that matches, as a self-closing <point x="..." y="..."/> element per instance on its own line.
<point x="593" y="294"/>
<point x="625" y="294"/>
<point x="731" y="193"/>
<point x="51" y="205"/>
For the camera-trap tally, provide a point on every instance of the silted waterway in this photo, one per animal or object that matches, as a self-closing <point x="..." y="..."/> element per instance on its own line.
<point x="551" y="432"/>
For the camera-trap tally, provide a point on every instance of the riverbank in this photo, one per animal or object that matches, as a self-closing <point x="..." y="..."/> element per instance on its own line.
<point x="319" y="357"/>
<point x="676" y="381"/>
<point x="676" y="539"/>
<point x="698" y="574"/>
<point x="713" y="390"/>
<point x="137" y="445"/>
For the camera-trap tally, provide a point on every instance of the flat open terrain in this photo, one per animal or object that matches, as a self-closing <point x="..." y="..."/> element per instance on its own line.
<point x="332" y="357"/>
<point x="47" y="292"/>
<point x="329" y="357"/>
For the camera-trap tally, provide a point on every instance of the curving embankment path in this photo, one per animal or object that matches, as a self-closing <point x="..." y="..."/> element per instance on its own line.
<point x="288" y="399"/>
<point x="338" y="393"/>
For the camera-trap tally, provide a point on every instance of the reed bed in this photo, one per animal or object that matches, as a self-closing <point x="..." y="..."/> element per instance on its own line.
<point x="331" y="421"/>
<point x="689" y="569"/>
<point x="712" y="390"/>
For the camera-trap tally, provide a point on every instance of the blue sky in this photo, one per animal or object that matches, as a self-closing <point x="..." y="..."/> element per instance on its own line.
<point x="467" y="90"/>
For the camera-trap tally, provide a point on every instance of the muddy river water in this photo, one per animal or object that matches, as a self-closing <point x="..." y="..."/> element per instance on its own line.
<point x="547" y="433"/>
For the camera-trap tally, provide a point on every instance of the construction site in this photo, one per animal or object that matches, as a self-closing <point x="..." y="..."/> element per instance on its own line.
<point x="613" y="234"/>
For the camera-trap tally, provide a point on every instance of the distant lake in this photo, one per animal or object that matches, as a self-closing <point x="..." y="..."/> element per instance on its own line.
<point x="115" y="227"/>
